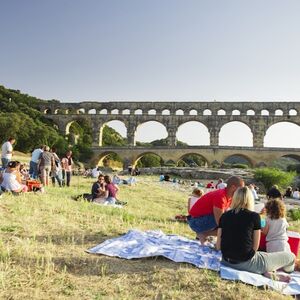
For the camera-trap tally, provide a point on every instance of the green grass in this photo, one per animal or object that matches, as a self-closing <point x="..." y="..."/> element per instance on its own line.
<point x="43" y="238"/>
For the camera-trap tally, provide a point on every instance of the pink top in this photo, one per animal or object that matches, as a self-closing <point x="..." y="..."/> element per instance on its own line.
<point x="66" y="165"/>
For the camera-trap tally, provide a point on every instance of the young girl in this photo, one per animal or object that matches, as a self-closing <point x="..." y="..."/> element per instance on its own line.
<point x="197" y="193"/>
<point x="276" y="226"/>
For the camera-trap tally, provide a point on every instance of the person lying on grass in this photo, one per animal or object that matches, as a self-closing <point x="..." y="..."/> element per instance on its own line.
<point x="239" y="236"/>
<point x="206" y="212"/>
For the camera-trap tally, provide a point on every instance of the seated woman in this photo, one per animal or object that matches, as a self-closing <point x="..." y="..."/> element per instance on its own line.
<point x="239" y="236"/>
<point x="10" y="179"/>
<point x="110" y="191"/>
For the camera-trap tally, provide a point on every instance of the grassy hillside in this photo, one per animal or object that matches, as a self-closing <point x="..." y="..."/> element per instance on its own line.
<point x="43" y="238"/>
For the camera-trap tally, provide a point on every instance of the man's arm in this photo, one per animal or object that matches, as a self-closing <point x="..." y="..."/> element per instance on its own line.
<point x="217" y="214"/>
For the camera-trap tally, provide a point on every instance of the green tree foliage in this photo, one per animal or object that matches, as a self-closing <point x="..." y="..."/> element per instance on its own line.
<point x="150" y="160"/>
<point x="20" y="118"/>
<point x="192" y="160"/>
<point x="270" y="176"/>
<point x="110" y="137"/>
<point x="28" y="133"/>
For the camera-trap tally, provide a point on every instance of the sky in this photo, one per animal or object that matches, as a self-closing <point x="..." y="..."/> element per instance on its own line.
<point x="158" y="50"/>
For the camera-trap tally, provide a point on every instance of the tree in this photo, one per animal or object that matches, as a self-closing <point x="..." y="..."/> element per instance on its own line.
<point x="271" y="176"/>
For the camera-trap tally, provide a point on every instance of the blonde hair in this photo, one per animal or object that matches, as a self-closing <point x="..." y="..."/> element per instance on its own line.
<point x="242" y="198"/>
<point x="197" y="192"/>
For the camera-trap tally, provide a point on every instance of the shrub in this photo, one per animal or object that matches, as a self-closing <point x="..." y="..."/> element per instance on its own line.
<point x="295" y="167"/>
<point x="270" y="176"/>
<point x="294" y="214"/>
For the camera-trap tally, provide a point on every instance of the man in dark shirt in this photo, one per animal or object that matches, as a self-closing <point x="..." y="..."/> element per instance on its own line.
<point x="274" y="193"/>
<point x="98" y="188"/>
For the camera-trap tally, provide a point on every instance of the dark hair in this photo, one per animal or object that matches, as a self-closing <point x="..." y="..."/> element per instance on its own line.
<point x="13" y="164"/>
<point x="53" y="149"/>
<point x="107" y="179"/>
<point x="11" y="139"/>
<point x="275" y="208"/>
<point x="101" y="175"/>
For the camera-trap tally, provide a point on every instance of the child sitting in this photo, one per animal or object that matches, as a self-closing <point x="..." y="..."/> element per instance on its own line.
<point x="276" y="227"/>
<point x="197" y="193"/>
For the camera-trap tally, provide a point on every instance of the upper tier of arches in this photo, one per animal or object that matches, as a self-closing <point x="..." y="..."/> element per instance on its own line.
<point x="175" y="108"/>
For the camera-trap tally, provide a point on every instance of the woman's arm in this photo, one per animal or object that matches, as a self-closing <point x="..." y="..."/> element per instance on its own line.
<point x="256" y="239"/>
<point x="265" y="229"/>
<point x="219" y="234"/>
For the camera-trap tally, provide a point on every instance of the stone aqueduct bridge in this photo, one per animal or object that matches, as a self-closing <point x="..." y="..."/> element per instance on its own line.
<point x="258" y="116"/>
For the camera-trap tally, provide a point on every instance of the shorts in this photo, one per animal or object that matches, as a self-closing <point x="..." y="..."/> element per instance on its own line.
<point x="203" y="223"/>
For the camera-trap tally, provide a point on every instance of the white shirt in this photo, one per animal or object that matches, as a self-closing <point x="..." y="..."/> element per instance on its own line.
<point x="221" y="185"/>
<point x="296" y="194"/>
<point x="95" y="173"/>
<point x="277" y="229"/>
<point x="10" y="182"/>
<point x="193" y="200"/>
<point x="36" y="155"/>
<point x="7" y="147"/>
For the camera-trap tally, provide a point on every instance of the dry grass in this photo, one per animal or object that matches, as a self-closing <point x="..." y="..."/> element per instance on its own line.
<point x="43" y="238"/>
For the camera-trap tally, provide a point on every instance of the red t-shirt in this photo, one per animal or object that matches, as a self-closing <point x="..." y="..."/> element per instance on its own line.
<point x="204" y="206"/>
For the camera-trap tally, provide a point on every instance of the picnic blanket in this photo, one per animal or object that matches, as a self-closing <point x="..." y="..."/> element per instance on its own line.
<point x="138" y="244"/>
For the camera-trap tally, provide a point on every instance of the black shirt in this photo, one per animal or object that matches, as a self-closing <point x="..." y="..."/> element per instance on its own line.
<point x="237" y="234"/>
<point x="95" y="189"/>
<point x="274" y="193"/>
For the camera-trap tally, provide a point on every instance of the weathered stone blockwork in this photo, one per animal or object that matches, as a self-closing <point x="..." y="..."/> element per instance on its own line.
<point x="258" y="116"/>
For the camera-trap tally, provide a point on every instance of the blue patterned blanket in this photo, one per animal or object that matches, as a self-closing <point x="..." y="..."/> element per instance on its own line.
<point x="138" y="244"/>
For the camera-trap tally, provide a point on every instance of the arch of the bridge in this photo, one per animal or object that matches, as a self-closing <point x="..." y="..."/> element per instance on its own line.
<point x="237" y="154"/>
<point x="207" y="162"/>
<point x="144" y="153"/>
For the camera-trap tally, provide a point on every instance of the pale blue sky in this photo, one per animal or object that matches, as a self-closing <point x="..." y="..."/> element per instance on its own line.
<point x="175" y="50"/>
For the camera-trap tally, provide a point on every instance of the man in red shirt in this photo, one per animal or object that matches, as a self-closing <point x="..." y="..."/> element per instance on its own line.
<point x="206" y="212"/>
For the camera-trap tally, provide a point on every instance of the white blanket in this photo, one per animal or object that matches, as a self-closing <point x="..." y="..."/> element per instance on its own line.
<point x="138" y="244"/>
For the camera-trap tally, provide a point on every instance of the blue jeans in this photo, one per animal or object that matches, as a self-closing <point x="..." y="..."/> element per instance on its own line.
<point x="203" y="223"/>
<point x="5" y="162"/>
<point x="110" y="200"/>
<point x="33" y="169"/>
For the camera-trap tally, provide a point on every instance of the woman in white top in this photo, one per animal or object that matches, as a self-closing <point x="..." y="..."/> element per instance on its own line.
<point x="9" y="179"/>
<point x="276" y="227"/>
<point x="197" y="193"/>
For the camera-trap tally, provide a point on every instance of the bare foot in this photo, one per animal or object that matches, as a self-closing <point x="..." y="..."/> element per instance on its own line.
<point x="201" y="238"/>
<point x="278" y="277"/>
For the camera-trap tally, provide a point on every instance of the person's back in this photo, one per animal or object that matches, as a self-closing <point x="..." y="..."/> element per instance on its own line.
<point x="35" y="155"/>
<point x="10" y="182"/>
<point x="274" y="193"/>
<point x="238" y="227"/>
<point x="46" y="159"/>
<point x="205" y="205"/>
<point x="95" y="172"/>
<point x="296" y="194"/>
<point x="112" y="191"/>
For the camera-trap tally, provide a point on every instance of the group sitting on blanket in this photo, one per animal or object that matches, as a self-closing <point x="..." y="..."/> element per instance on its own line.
<point x="229" y="214"/>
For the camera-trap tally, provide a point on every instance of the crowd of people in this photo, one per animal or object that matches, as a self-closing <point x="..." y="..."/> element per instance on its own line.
<point x="226" y="210"/>
<point x="229" y="214"/>
<point x="44" y="165"/>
